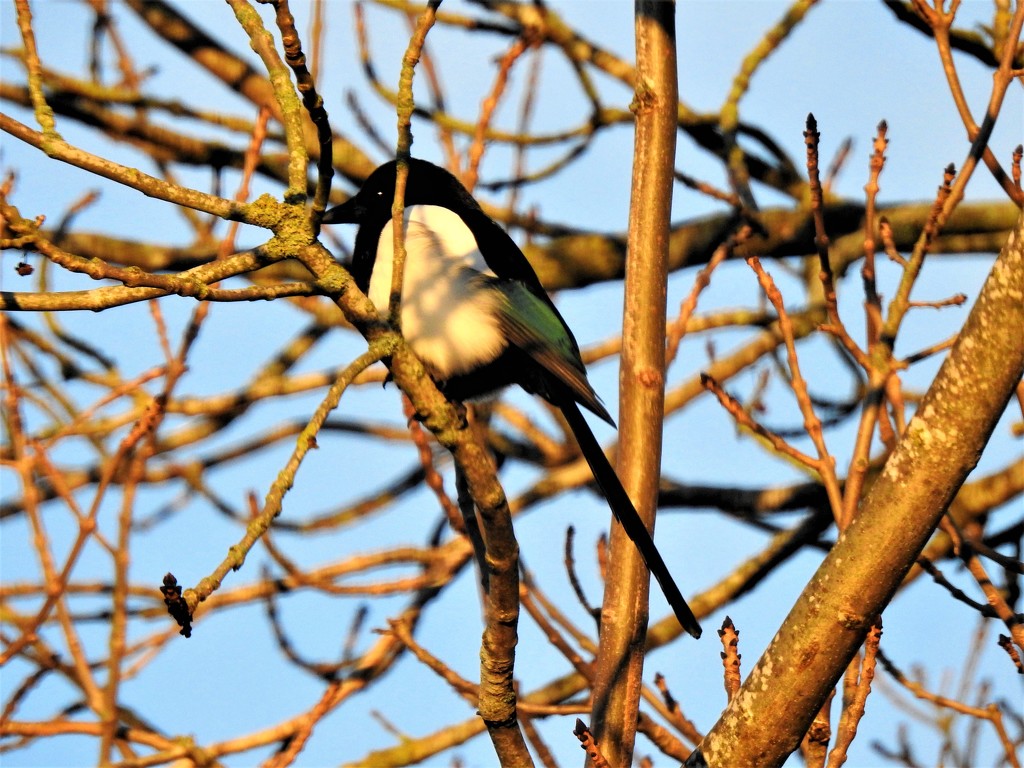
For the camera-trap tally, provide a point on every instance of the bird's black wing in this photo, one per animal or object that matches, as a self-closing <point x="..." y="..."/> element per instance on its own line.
<point x="533" y="326"/>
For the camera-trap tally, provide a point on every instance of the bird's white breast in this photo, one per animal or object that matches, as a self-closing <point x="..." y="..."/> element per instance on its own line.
<point x="448" y="313"/>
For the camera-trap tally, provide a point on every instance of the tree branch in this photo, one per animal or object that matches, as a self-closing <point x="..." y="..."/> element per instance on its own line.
<point x="787" y="687"/>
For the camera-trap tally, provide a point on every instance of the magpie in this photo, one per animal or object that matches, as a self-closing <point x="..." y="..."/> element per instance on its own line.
<point x="475" y="313"/>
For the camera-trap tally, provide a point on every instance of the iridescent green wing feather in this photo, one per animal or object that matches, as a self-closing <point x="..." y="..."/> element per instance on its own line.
<point x="531" y="325"/>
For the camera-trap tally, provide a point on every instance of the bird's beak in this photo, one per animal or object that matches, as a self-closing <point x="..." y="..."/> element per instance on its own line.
<point x="349" y="212"/>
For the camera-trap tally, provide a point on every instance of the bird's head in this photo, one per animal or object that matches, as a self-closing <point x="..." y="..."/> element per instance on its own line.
<point x="427" y="184"/>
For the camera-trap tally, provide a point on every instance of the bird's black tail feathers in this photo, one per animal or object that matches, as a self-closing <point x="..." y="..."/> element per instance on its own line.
<point x="624" y="511"/>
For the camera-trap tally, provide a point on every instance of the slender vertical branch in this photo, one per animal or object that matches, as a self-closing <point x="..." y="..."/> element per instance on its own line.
<point x="821" y="244"/>
<point x="735" y="158"/>
<point x="826" y="464"/>
<point x="618" y="683"/>
<point x="488" y="108"/>
<point x="311" y="100"/>
<point x="287" y="101"/>
<point x="406" y="105"/>
<point x="43" y="112"/>
<point x="877" y="366"/>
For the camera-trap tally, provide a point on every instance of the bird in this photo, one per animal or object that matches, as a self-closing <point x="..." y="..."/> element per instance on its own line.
<point x="475" y="313"/>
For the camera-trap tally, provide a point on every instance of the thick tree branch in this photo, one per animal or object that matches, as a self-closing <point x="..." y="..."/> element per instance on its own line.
<point x="942" y="444"/>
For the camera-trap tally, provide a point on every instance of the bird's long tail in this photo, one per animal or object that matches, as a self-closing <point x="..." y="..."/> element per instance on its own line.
<point x="624" y="511"/>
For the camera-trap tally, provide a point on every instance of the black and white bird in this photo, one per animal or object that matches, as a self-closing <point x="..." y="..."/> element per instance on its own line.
<point x="474" y="311"/>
